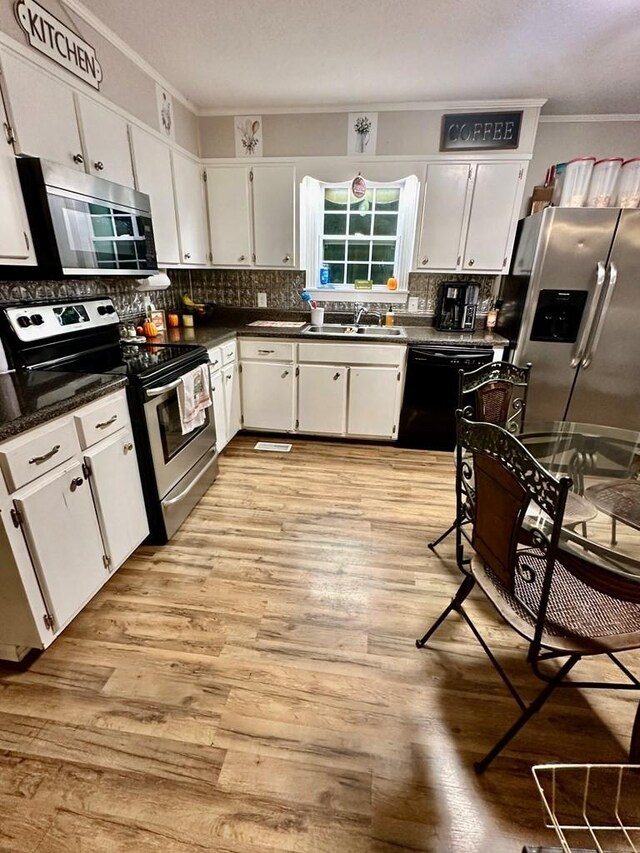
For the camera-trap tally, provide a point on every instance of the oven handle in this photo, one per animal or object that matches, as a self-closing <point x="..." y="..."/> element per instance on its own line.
<point x="162" y="389"/>
<point x="192" y="483"/>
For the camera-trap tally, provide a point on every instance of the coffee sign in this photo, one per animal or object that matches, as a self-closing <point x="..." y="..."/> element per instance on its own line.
<point x="51" y="37"/>
<point x="472" y="131"/>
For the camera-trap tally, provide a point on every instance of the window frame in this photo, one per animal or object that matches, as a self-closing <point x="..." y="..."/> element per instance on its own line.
<point x="312" y="238"/>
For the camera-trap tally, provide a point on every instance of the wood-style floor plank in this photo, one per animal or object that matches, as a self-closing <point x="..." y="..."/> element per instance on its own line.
<point x="254" y="685"/>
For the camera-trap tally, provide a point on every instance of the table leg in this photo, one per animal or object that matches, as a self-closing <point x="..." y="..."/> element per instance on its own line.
<point x="634" y="751"/>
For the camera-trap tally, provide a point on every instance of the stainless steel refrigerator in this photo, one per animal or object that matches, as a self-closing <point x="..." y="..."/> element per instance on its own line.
<point x="572" y="309"/>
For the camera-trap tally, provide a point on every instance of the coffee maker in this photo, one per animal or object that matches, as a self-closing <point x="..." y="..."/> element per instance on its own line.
<point x="457" y="306"/>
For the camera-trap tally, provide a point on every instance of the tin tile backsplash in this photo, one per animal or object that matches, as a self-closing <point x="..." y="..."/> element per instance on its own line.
<point x="224" y="287"/>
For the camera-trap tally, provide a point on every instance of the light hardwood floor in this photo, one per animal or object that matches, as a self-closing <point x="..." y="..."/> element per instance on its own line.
<point x="254" y="685"/>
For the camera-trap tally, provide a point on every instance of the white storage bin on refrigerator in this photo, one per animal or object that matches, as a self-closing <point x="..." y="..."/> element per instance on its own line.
<point x="628" y="194"/>
<point x="575" y="181"/>
<point x="603" y="182"/>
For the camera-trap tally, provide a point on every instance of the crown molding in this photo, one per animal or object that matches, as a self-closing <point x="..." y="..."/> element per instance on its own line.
<point x="102" y="29"/>
<point x="408" y="106"/>
<point x="549" y="119"/>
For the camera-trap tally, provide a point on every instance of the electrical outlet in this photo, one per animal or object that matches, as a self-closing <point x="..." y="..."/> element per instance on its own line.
<point x="412" y="306"/>
<point x="262" y="300"/>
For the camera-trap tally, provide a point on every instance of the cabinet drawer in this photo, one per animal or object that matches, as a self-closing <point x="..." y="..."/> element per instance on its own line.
<point x="330" y="353"/>
<point x="31" y="455"/>
<point x="215" y="358"/>
<point x="99" y="420"/>
<point x="229" y="352"/>
<point x="266" y="350"/>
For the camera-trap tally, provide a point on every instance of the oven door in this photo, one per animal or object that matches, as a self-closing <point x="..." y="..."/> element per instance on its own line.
<point x="173" y="453"/>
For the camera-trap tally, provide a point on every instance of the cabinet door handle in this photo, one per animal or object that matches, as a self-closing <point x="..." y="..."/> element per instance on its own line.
<point x="336" y="376"/>
<point x="105" y="424"/>
<point x="26" y="240"/>
<point x="241" y="258"/>
<point x="286" y="259"/>
<point x="215" y="362"/>
<point x="266" y="351"/>
<point x="228" y="377"/>
<point x="127" y="448"/>
<point x="425" y="261"/>
<point x="187" y="255"/>
<point x="75" y="483"/>
<point x="78" y="158"/>
<point x="38" y="460"/>
<point x="284" y="374"/>
<point x="98" y="165"/>
<point x="471" y="262"/>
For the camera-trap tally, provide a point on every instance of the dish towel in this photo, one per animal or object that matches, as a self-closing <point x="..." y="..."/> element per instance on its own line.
<point x="194" y="397"/>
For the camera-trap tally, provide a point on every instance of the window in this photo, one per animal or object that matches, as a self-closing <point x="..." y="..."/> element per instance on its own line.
<point x="369" y="238"/>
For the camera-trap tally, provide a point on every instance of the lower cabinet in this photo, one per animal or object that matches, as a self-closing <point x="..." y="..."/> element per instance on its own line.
<point x="322" y="398"/>
<point x="63" y="538"/>
<point x="268" y="396"/>
<point x="231" y="399"/>
<point x="374" y="401"/>
<point x="225" y="391"/>
<point x="117" y="493"/>
<point x="219" y="413"/>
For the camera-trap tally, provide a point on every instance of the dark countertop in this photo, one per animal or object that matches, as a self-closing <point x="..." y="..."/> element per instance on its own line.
<point x="29" y="398"/>
<point x="212" y="335"/>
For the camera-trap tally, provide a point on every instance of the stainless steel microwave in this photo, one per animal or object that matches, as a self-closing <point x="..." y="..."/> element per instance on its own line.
<point x="82" y="225"/>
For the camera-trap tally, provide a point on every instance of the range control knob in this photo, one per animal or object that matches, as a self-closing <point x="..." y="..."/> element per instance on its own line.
<point x="110" y="309"/>
<point x="23" y="322"/>
<point x="102" y="309"/>
<point x="37" y="319"/>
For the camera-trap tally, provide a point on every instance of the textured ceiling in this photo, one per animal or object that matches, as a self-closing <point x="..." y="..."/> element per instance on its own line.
<point x="583" y="55"/>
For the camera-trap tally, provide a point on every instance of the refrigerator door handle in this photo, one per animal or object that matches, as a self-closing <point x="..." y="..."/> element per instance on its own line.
<point x="613" y="277"/>
<point x="580" y="350"/>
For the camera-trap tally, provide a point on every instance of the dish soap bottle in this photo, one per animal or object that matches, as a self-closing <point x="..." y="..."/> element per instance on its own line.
<point x="389" y="318"/>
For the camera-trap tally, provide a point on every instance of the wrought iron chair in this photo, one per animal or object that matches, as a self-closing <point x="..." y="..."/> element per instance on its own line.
<point x="564" y="607"/>
<point x="495" y="393"/>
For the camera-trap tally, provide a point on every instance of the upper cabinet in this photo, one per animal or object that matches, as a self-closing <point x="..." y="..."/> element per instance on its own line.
<point x="152" y="164"/>
<point x="469" y="216"/>
<point x="50" y="121"/>
<point x="16" y="246"/>
<point x="252" y="215"/>
<point x="106" y="142"/>
<point x="191" y="210"/>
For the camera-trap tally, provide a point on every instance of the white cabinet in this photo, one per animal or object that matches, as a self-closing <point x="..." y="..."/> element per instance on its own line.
<point x="225" y="387"/>
<point x="322" y="398"/>
<point x="252" y="215"/>
<point x="267" y="396"/>
<point x="61" y="529"/>
<point x="16" y="246"/>
<point x="219" y="413"/>
<point x="231" y="399"/>
<point x="191" y="210"/>
<point x="497" y="190"/>
<point x="273" y="216"/>
<point x="152" y="164"/>
<point x="117" y="493"/>
<point x="469" y="216"/>
<point x="229" y="216"/>
<point x="443" y="216"/>
<point x="106" y="142"/>
<point x="42" y="113"/>
<point x="373" y="401"/>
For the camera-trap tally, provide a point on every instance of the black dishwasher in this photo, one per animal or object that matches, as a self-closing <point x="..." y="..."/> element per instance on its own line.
<point x="427" y="419"/>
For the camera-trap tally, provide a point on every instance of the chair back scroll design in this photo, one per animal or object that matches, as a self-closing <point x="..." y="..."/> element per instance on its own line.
<point x="500" y="394"/>
<point x="504" y="480"/>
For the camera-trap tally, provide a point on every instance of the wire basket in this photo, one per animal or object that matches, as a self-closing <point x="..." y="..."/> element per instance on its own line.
<point x="592" y="807"/>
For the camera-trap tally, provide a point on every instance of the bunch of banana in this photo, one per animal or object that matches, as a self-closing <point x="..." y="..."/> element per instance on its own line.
<point x="188" y="302"/>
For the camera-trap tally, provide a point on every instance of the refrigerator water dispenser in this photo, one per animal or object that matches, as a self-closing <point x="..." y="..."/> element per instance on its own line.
<point x="558" y="316"/>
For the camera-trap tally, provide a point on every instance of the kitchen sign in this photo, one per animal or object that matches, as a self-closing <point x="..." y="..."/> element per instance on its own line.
<point x="480" y="131"/>
<point x="51" y="37"/>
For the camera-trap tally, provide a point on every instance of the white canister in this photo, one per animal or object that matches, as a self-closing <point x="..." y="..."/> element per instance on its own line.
<point x="317" y="316"/>
<point x="603" y="182"/>
<point x="629" y="184"/>
<point x="576" y="181"/>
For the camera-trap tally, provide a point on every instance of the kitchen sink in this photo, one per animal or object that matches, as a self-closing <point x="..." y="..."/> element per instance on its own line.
<point x="340" y="330"/>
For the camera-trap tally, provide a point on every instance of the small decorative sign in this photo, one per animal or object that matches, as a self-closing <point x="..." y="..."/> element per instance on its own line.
<point x="358" y="187"/>
<point x="471" y="131"/>
<point x="55" y="40"/>
<point x="248" y="136"/>
<point x="165" y="112"/>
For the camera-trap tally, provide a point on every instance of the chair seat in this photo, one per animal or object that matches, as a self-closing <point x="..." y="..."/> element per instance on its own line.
<point x="579" y="618"/>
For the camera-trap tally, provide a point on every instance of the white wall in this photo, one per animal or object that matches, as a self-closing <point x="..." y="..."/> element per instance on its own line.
<point x="559" y="141"/>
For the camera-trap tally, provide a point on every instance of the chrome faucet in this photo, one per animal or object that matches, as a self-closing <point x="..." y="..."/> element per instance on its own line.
<point x="360" y="311"/>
